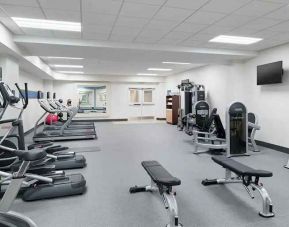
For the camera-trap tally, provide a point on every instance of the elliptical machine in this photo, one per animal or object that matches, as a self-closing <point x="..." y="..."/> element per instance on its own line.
<point x="34" y="186"/>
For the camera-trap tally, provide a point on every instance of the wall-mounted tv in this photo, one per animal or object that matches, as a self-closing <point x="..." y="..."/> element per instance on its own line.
<point x="270" y="73"/>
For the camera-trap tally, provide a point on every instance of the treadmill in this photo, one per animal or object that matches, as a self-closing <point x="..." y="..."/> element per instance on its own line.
<point x="62" y="134"/>
<point x="74" y="111"/>
<point x="71" y="112"/>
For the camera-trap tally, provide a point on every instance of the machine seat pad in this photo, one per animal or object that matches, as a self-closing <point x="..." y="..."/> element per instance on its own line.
<point x="31" y="155"/>
<point x="159" y="174"/>
<point x="239" y="168"/>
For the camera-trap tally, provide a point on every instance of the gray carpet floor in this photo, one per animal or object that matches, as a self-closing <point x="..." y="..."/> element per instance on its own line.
<point x="111" y="171"/>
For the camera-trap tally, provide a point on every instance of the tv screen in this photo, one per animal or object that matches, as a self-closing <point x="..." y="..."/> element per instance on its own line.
<point x="270" y="73"/>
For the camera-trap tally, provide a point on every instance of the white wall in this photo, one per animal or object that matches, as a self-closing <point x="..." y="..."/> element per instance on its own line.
<point x="237" y="82"/>
<point x="118" y="97"/>
<point x="33" y="111"/>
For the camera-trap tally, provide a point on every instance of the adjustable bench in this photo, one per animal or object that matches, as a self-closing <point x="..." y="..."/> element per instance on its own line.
<point x="244" y="175"/>
<point x="161" y="181"/>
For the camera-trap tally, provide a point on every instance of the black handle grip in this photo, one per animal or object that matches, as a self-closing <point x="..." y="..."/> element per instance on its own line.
<point x="26" y="95"/>
<point x="23" y="96"/>
<point x="48" y="95"/>
<point x="54" y="95"/>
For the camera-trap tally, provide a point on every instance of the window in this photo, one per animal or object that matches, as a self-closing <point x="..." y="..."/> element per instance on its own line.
<point x="134" y="95"/>
<point x="141" y="96"/>
<point x="147" y="96"/>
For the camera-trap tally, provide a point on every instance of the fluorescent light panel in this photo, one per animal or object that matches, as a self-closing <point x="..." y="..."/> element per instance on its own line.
<point x="147" y="74"/>
<point x="67" y="66"/>
<point x="72" y="58"/>
<point x="159" y="69"/>
<point x="47" y="24"/>
<point x="235" y="39"/>
<point x="176" y="63"/>
<point x="71" y="72"/>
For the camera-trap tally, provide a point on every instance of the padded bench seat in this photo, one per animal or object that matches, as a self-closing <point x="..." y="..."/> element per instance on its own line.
<point x="159" y="174"/>
<point x="241" y="169"/>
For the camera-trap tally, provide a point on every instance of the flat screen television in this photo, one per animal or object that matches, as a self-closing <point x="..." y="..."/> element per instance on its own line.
<point x="270" y="73"/>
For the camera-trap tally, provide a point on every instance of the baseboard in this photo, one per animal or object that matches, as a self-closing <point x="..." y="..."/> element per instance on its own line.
<point x="273" y="146"/>
<point x="110" y="119"/>
<point x="101" y="120"/>
<point x="160" y="118"/>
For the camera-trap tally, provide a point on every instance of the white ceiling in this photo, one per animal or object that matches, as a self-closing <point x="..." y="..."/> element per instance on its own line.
<point x="182" y="23"/>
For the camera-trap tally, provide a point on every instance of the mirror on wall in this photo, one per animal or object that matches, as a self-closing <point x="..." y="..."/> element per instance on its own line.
<point x="92" y="98"/>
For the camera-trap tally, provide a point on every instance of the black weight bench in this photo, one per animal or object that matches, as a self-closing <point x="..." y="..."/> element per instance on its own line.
<point x="244" y="174"/>
<point x="163" y="182"/>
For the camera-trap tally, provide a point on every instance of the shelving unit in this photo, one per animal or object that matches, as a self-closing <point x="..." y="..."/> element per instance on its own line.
<point x="172" y="106"/>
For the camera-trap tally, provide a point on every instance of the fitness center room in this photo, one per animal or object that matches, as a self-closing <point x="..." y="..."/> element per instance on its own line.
<point x="144" y="113"/>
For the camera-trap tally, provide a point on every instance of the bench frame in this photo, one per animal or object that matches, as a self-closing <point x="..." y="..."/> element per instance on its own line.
<point x="267" y="207"/>
<point x="169" y="200"/>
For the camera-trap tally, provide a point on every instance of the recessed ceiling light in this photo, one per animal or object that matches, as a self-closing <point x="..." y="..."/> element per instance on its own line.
<point x="235" y="39"/>
<point x="147" y="74"/>
<point x="47" y="24"/>
<point x="159" y="69"/>
<point x="71" y="72"/>
<point x="72" y="58"/>
<point x="67" y="66"/>
<point x="176" y="63"/>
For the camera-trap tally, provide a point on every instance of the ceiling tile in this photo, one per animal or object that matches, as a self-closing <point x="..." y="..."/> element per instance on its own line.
<point x="73" y="5"/>
<point x="22" y="11"/>
<point x="190" y="27"/>
<point x="138" y="10"/>
<point x="282" y="14"/>
<point x="121" y="30"/>
<point x="31" y="3"/>
<point x="150" y="2"/>
<point x="202" y="37"/>
<point x="161" y="24"/>
<point x="154" y="33"/>
<point x="205" y="17"/>
<point x="186" y="4"/>
<point x="178" y="35"/>
<point x="95" y="36"/>
<point x="165" y="41"/>
<point x="243" y="31"/>
<point x="133" y="22"/>
<point x="258" y="8"/>
<point x="266" y="34"/>
<point x="66" y="35"/>
<point x="62" y="15"/>
<point x="173" y="14"/>
<point x="224" y="6"/>
<point x="193" y="43"/>
<point x="282" y="27"/>
<point x="121" y="38"/>
<point x="234" y="20"/>
<point x="96" y="28"/>
<point x="101" y="6"/>
<point x="217" y="30"/>
<point x="146" y="39"/>
<point x="95" y="18"/>
<point x="261" y="23"/>
<point x="281" y="36"/>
